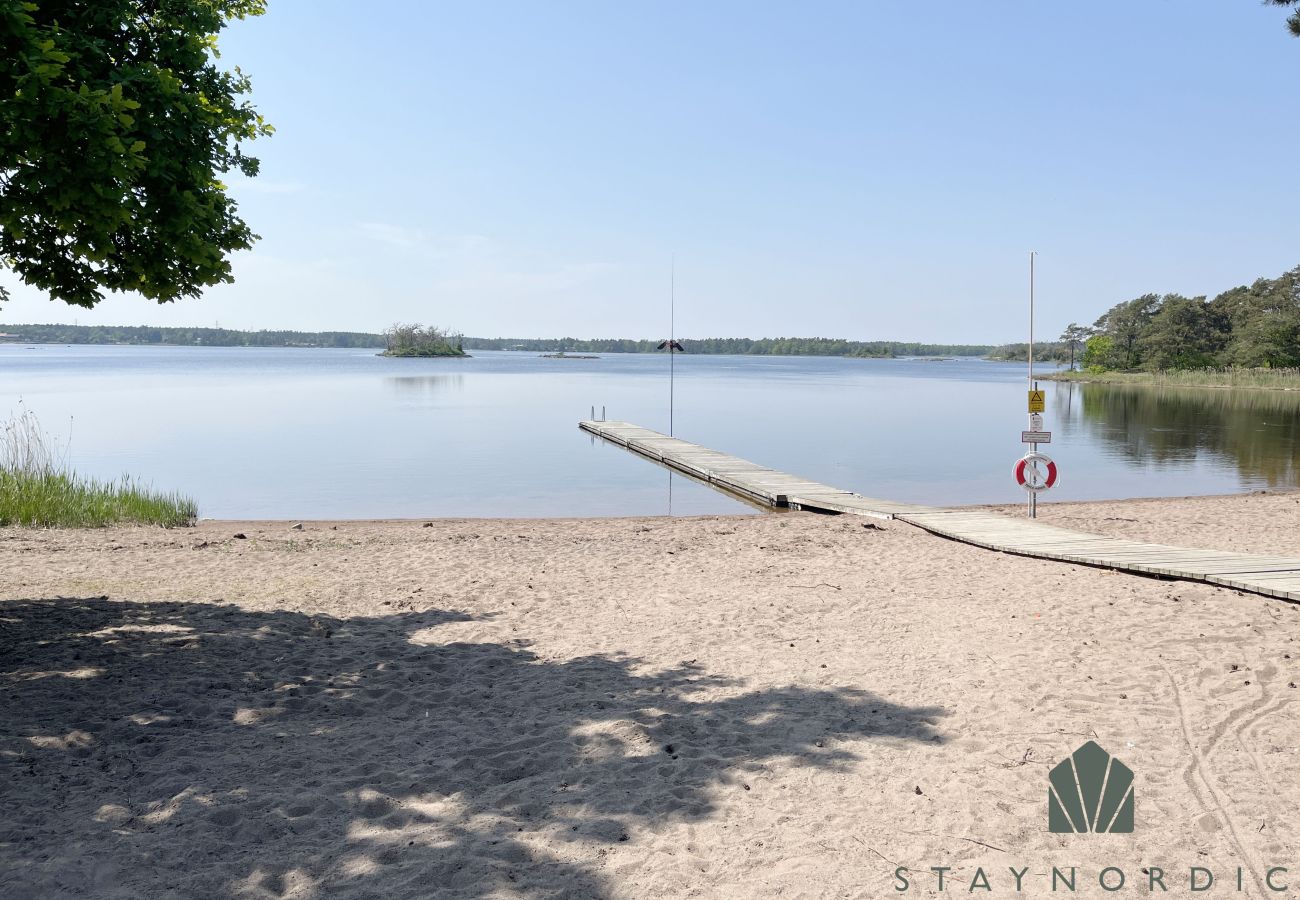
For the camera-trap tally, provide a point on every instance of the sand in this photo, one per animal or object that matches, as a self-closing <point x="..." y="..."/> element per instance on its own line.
<point x="768" y="706"/>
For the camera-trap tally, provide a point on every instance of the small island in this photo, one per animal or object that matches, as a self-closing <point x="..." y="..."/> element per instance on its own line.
<point x="418" y="341"/>
<point x="563" y="355"/>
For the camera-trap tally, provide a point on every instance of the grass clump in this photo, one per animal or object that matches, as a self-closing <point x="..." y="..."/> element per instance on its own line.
<point x="38" y="490"/>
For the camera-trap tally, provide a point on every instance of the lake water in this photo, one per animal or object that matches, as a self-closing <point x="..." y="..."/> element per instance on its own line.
<point x="300" y="433"/>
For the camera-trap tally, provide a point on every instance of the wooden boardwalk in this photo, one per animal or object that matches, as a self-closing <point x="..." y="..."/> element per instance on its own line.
<point x="758" y="484"/>
<point x="1273" y="576"/>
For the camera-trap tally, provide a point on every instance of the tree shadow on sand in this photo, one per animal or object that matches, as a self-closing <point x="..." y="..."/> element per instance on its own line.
<point x="159" y="749"/>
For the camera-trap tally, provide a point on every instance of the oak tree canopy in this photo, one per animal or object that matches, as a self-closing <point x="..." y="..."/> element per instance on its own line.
<point x="116" y="125"/>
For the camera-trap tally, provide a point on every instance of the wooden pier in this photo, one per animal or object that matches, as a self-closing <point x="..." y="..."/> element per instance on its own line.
<point x="1273" y="576"/>
<point x="755" y="483"/>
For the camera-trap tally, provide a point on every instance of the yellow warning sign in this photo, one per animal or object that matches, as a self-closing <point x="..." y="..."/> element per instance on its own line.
<point x="1037" y="401"/>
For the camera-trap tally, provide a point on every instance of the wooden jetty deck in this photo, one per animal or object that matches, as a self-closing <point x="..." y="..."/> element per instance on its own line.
<point x="755" y="483"/>
<point x="1273" y="576"/>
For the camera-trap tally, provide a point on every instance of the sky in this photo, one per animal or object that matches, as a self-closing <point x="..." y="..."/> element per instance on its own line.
<point x="872" y="171"/>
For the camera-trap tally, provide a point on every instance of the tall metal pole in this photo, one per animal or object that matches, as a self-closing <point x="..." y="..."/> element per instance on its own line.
<point x="1031" y="319"/>
<point x="672" y="350"/>
<point x="1033" y="448"/>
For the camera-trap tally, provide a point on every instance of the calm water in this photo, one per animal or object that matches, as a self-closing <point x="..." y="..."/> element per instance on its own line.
<point x="294" y="433"/>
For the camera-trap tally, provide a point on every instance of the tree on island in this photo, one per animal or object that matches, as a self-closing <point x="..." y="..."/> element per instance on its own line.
<point x="115" y="125"/>
<point x="415" y="340"/>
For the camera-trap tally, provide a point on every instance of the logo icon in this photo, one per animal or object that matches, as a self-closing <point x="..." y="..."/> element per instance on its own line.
<point x="1091" y="791"/>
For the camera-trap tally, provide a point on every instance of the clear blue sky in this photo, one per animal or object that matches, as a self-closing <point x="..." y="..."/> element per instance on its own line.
<point x="865" y="170"/>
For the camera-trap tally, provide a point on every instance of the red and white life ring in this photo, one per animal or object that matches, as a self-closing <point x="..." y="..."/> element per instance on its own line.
<point x="1035" y="472"/>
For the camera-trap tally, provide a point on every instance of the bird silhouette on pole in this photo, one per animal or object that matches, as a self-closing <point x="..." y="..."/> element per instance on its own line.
<point x="675" y="345"/>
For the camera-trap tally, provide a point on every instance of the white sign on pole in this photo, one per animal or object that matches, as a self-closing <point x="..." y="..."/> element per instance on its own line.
<point x="1035" y="437"/>
<point x="1035" y="421"/>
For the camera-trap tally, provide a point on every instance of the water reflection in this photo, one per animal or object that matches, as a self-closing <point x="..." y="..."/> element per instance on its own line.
<point x="1258" y="432"/>
<point x="418" y="385"/>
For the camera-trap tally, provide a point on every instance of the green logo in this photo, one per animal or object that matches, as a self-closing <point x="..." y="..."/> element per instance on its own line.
<point x="1090" y="791"/>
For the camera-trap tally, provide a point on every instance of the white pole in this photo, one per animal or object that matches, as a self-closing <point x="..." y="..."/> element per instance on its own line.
<point x="1033" y="448"/>
<point x="1031" y="319"/>
<point x="672" y="352"/>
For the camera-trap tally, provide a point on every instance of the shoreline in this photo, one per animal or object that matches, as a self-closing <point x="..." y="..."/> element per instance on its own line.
<point x="1141" y="379"/>
<point x="1044" y="508"/>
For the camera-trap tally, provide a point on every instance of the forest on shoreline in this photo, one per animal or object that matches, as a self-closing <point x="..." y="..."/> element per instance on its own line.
<point x="184" y="337"/>
<point x="1253" y="326"/>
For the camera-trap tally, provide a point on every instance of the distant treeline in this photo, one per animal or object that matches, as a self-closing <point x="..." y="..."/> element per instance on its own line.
<point x="781" y="346"/>
<point x="1049" y="351"/>
<point x="207" y="337"/>
<point x="227" y="337"/>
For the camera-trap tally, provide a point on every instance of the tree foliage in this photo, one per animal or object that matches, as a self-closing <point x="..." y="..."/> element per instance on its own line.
<point x="1184" y="333"/>
<point x="1252" y="326"/>
<point x="117" y="123"/>
<point x="1097" y="351"/>
<point x="1294" y="21"/>
<point x="1073" y="338"/>
<point x="1124" y="324"/>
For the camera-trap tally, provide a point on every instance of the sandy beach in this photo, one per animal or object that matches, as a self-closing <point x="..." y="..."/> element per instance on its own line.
<point x="785" y="705"/>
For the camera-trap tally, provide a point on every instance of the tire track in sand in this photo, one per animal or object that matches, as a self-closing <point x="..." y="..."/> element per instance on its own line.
<point x="1250" y="715"/>
<point x="1199" y="769"/>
